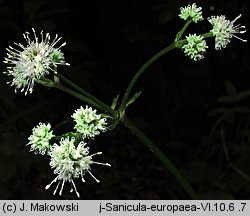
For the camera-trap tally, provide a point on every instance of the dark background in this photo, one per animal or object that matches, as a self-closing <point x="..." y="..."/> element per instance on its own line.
<point x="107" y="42"/>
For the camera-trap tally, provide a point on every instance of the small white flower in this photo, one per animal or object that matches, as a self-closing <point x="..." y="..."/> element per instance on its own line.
<point x="191" y="12"/>
<point x="88" y="123"/>
<point x="33" y="61"/>
<point x="69" y="162"/>
<point x="224" y="29"/>
<point x="40" y="138"/>
<point x="195" y="47"/>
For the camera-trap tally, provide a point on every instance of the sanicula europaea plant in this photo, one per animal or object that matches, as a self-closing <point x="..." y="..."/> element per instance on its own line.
<point x="69" y="152"/>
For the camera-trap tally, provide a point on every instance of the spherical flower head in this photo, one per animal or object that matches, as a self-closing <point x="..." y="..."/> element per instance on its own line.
<point x="195" y="47"/>
<point x="29" y="63"/>
<point x="88" y="123"/>
<point x="40" y="138"/>
<point x="69" y="162"/>
<point x="224" y="29"/>
<point x="191" y="12"/>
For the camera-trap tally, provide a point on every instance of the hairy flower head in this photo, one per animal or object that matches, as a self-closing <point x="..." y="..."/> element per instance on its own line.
<point x="29" y="63"/>
<point x="191" y="12"/>
<point x="69" y="162"/>
<point x="195" y="47"/>
<point x="224" y="29"/>
<point x="88" y="123"/>
<point x="40" y="138"/>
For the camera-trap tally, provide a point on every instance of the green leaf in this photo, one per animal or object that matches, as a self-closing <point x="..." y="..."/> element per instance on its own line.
<point x="114" y="102"/>
<point x="235" y="98"/>
<point x="227" y="99"/>
<point x="231" y="90"/>
<point x="56" y="79"/>
<point x="232" y="95"/>
<point x="133" y="98"/>
<point x="217" y="111"/>
<point x="242" y="110"/>
<point x="242" y="95"/>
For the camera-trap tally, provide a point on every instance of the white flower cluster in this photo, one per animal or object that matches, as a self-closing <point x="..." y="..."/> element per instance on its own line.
<point x="33" y="61"/>
<point x="40" y="138"/>
<point x="70" y="159"/>
<point x="88" y="123"/>
<point x="191" y="12"/>
<point x="69" y="162"/>
<point x="224" y="30"/>
<point x="195" y="47"/>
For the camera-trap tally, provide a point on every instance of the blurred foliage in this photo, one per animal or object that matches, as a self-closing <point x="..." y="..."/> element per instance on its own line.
<point x="107" y="42"/>
<point x="231" y="131"/>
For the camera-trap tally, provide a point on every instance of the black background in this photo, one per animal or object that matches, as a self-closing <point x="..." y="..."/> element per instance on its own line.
<point x="107" y="42"/>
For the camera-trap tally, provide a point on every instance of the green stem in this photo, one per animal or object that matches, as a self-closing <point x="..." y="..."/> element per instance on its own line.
<point x="85" y="93"/>
<point x="139" y="73"/>
<point x="181" y="32"/>
<point x="207" y="35"/>
<point x="162" y="157"/>
<point x="81" y="97"/>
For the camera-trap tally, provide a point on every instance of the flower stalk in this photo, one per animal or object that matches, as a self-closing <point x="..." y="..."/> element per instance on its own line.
<point x="138" y="75"/>
<point x="182" y="31"/>
<point x="83" y="98"/>
<point x="85" y="93"/>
